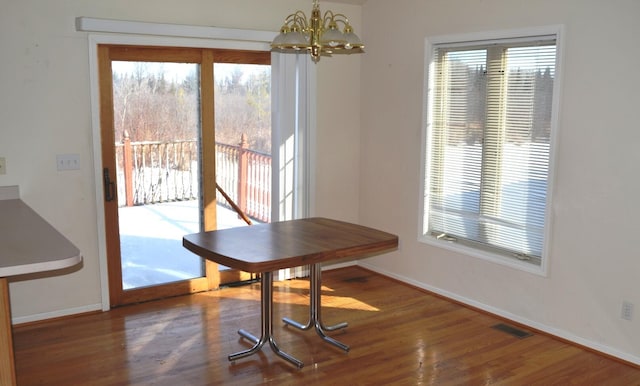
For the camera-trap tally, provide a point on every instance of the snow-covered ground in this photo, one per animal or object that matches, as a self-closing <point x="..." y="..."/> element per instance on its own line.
<point x="151" y="241"/>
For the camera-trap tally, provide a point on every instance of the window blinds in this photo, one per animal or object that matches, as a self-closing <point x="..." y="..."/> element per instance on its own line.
<point x="490" y="145"/>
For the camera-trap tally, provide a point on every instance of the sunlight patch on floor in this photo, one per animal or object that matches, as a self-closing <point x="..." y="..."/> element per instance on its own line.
<point x="297" y="284"/>
<point x="284" y="296"/>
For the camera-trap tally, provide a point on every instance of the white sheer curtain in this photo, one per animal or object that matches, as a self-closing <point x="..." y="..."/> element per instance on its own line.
<point x="293" y="114"/>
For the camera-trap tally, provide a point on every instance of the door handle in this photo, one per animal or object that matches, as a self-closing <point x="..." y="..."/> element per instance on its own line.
<point x="109" y="186"/>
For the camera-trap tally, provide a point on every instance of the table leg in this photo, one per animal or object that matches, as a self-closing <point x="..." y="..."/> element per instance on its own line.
<point x="266" y="304"/>
<point x="7" y="365"/>
<point x="315" y="309"/>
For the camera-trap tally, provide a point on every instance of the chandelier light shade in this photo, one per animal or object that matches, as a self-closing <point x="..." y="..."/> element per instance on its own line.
<point x="320" y="35"/>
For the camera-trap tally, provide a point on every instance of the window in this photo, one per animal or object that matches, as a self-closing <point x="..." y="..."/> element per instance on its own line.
<point x="488" y="149"/>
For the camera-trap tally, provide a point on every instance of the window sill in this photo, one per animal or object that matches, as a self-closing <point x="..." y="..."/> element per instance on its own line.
<point x="492" y="257"/>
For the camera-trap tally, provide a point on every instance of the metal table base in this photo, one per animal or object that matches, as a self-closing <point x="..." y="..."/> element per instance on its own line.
<point x="315" y="319"/>
<point x="315" y="308"/>
<point x="266" y="302"/>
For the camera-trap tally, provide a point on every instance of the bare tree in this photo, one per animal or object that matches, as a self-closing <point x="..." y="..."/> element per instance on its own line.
<point x="150" y="106"/>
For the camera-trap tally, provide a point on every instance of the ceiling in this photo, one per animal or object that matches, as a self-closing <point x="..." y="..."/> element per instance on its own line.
<point x="356" y="2"/>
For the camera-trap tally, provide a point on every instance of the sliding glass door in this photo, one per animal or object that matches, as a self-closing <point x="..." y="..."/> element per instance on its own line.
<point x="159" y="151"/>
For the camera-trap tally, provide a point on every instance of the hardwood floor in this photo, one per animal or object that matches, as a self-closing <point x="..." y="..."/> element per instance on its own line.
<point x="398" y="335"/>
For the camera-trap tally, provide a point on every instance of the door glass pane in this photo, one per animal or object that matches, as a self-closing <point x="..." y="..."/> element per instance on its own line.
<point x="243" y="141"/>
<point x="242" y="109"/>
<point x="157" y="126"/>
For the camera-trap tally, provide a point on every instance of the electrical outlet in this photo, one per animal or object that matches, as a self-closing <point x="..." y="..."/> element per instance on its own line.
<point x="627" y="310"/>
<point x="68" y="162"/>
<point x="3" y="166"/>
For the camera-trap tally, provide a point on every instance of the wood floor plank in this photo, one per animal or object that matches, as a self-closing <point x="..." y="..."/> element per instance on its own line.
<point x="398" y="335"/>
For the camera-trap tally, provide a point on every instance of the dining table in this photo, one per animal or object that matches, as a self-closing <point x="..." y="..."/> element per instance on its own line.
<point x="269" y="247"/>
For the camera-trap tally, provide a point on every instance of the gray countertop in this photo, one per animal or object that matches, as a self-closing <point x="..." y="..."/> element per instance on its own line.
<point x="28" y="243"/>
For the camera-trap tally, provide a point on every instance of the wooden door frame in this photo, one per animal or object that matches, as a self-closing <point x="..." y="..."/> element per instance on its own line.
<point x="106" y="53"/>
<point x="102" y="31"/>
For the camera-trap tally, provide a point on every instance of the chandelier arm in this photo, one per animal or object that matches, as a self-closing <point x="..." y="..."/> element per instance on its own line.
<point x="327" y="18"/>
<point x="344" y="22"/>
<point x="336" y="17"/>
<point x="298" y="18"/>
<point x="301" y="18"/>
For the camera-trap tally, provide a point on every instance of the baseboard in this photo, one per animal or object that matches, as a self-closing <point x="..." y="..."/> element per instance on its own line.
<point x="329" y="267"/>
<point x="555" y="332"/>
<point x="56" y="314"/>
<point x="9" y="192"/>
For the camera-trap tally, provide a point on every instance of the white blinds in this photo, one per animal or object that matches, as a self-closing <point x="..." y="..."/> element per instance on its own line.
<point x="489" y="145"/>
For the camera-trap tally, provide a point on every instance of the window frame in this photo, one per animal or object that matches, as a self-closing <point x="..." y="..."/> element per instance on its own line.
<point x="503" y="36"/>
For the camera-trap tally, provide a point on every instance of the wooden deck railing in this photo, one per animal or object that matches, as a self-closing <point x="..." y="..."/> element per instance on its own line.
<point x="155" y="172"/>
<point x="245" y="175"/>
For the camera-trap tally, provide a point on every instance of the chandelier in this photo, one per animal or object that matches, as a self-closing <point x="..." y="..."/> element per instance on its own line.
<point x="318" y="35"/>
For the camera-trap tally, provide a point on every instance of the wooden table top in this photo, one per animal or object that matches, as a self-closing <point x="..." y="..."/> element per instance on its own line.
<point x="287" y="244"/>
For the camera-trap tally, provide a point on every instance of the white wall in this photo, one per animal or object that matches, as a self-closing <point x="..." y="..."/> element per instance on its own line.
<point x="45" y="110"/>
<point x="594" y="262"/>
<point x="368" y="146"/>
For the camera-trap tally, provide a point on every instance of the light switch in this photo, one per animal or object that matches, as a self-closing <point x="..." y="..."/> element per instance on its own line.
<point x="68" y="162"/>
